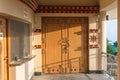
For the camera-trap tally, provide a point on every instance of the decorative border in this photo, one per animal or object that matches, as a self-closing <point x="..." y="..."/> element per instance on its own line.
<point x="33" y="4"/>
<point x="37" y="30"/>
<point x="93" y="38"/>
<point x="94" y="46"/>
<point x="93" y="30"/>
<point x="68" y="9"/>
<point x="37" y="46"/>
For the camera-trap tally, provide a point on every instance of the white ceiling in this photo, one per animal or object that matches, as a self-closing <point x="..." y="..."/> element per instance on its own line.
<point x="112" y="14"/>
<point x="70" y="2"/>
<point x="111" y="10"/>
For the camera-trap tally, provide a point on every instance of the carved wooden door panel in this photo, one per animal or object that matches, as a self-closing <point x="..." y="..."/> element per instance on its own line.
<point x="65" y="45"/>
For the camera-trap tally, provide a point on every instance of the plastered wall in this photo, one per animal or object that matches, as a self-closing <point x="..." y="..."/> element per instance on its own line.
<point x="92" y="25"/>
<point x="23" y="72"/>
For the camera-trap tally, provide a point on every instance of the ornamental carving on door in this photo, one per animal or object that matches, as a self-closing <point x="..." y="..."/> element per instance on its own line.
<point x="64" y="42"/>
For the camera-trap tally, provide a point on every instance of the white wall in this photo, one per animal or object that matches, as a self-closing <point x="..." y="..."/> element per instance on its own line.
<point x="93" y="64"/>
<point x="23" y="72"/>
<point x="112" y="14"/>
<point x="93" y="53"/>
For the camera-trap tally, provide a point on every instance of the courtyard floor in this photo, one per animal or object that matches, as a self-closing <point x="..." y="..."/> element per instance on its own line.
<point x="72" y="77"/>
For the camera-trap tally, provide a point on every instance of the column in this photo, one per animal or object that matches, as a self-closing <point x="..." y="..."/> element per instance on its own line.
<point x="102" y="57"/>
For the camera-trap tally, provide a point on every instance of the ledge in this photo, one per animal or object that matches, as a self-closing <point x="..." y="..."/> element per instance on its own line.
<point x="19" y="63"/>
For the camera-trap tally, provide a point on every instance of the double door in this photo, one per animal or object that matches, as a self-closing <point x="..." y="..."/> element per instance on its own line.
<point x="64" y="45"/>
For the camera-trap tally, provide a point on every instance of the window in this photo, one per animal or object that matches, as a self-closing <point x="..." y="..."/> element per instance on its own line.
<point x="20" y="39"/>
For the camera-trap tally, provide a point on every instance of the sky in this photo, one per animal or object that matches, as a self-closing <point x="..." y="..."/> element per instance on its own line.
<point x="111" y="30"/>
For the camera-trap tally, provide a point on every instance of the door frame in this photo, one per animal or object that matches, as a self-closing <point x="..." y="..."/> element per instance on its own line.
<point x="7" y="19"/>
<point x="87" y="70"/>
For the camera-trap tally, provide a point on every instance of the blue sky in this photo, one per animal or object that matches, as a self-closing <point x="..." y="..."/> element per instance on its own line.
<point x="111" y="30"/>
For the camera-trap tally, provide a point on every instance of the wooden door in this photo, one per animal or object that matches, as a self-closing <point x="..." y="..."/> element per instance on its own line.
<point x="51" y="37"/>
<point x="65" y="45"/>
<point x="78" y="40"/>
<point x="3" y="50"/>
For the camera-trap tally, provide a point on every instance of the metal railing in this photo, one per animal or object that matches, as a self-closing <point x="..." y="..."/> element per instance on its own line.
<point x="112" y="65"/>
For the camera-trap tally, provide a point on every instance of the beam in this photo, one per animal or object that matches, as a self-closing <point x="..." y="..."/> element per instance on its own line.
<point x="68" y="9"/>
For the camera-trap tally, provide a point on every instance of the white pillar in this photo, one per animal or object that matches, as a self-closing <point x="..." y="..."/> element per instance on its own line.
<point x="104" y="46"/>
<point x="103" y="56"/>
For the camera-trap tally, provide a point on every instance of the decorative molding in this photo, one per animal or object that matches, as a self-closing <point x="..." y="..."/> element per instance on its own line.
<point x="94" y="46"/>
<point x="68" y="9"/>
<point x="37" y="46"/>
<point x="93" y="30"/>
<point x="33" y="4"/>
<point x="37" y="30"/>
<point x="93" y="38"/>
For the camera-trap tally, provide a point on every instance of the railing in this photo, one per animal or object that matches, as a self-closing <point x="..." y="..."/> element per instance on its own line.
<point x="112" y="69"/>
<point x="112" y="65"/>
